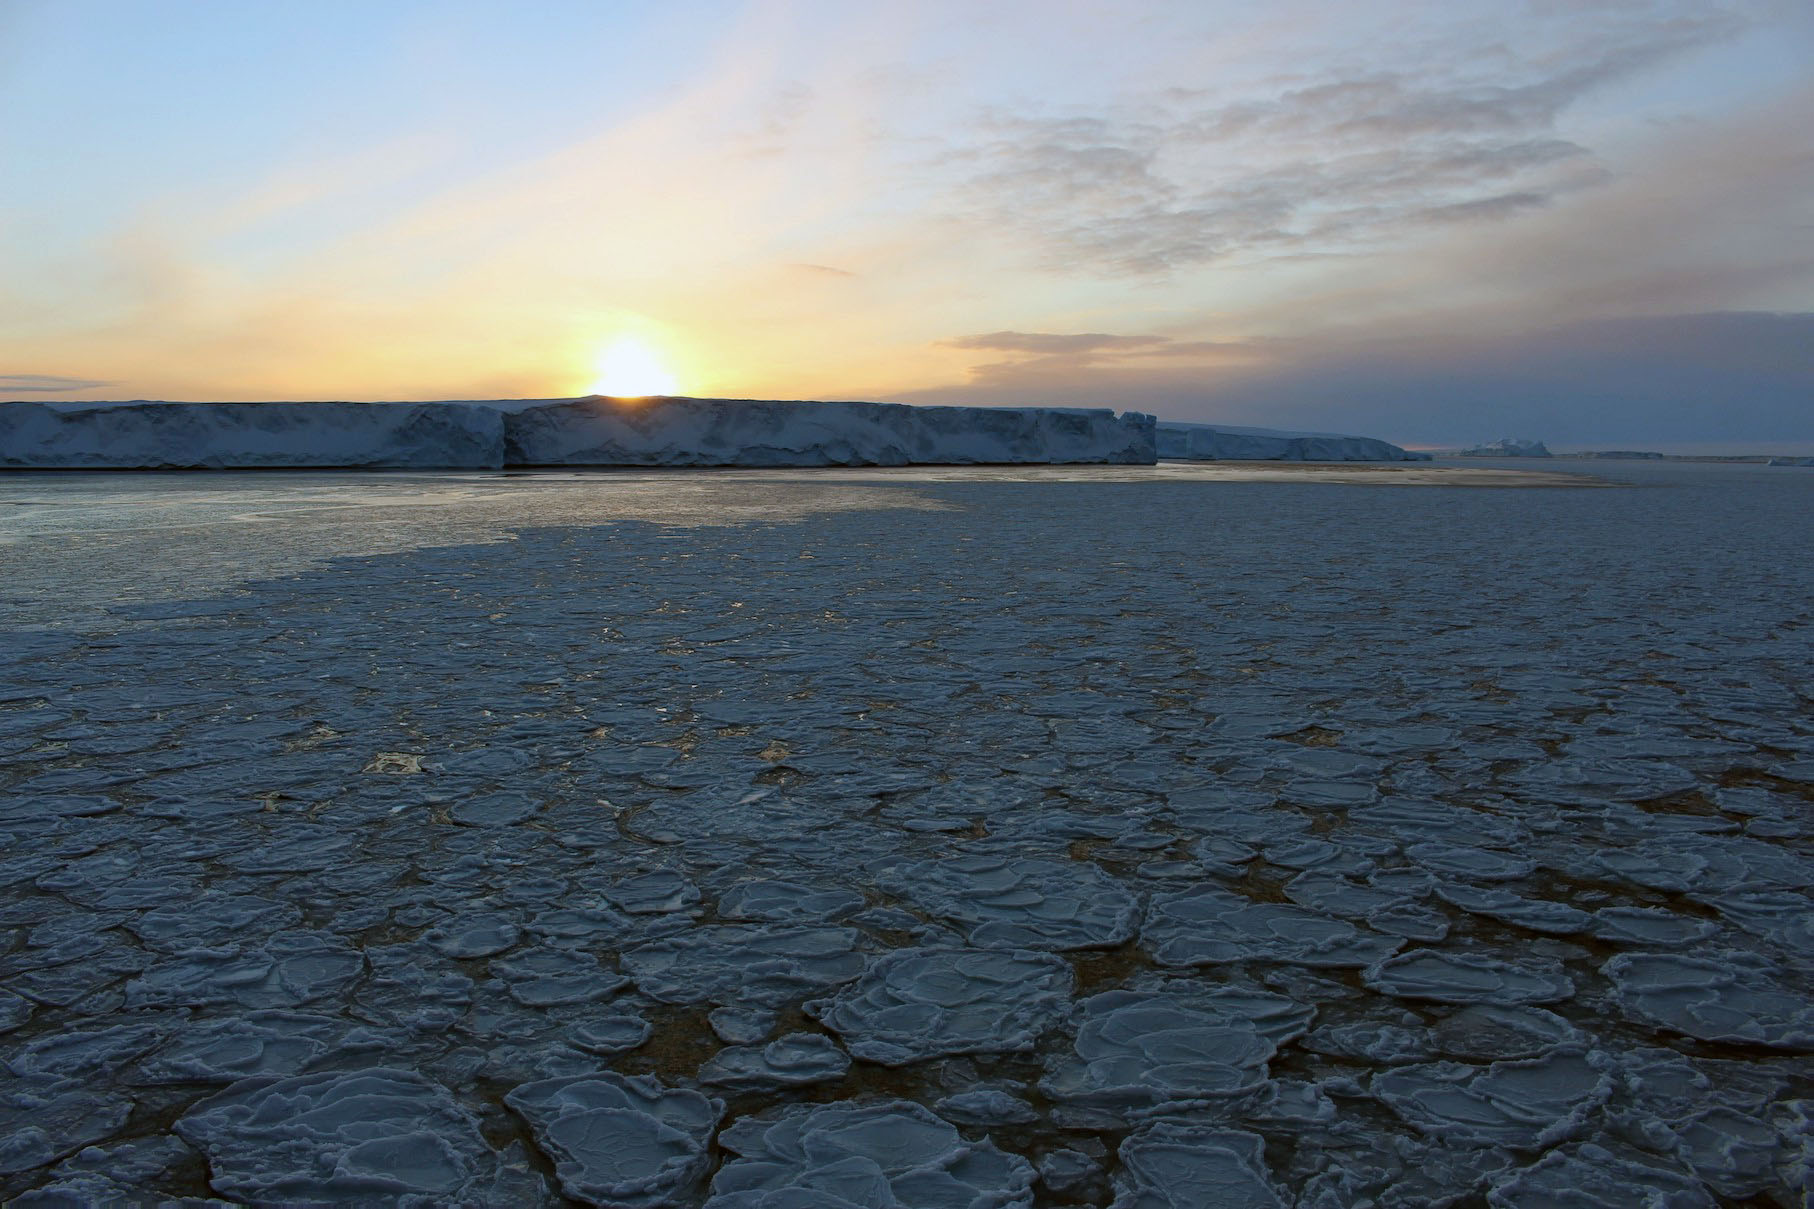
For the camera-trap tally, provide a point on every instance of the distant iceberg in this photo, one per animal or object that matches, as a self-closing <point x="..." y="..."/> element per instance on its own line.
<point x="1506" y="447"/>
<point x="489" y="434"/>
<point x="1227" y="442"/>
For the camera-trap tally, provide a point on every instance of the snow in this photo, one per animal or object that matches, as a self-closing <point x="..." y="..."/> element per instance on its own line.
<point x="1229" y="442"/>
<point x="489" y="434"/>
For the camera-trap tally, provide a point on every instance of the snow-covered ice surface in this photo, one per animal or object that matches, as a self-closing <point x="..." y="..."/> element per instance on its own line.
<point x="943" y="841"/>
<point x="492" y="433"/>
<point x="1230" y="442"/>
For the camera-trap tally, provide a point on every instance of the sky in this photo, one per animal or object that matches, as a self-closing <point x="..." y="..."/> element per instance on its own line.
<point x="1437" y="223"/>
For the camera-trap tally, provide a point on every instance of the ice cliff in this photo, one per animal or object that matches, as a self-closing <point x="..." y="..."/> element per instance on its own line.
<point x="213" y="436"/>
<point x="487" y="434"/>
<point x="757" y="432"/>
<point x="1225" y="442"/>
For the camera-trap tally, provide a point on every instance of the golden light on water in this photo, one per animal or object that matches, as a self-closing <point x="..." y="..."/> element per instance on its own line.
<point x="629" y="368"/>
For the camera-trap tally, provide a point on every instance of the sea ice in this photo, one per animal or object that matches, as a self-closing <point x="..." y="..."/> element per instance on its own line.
<point x="1711" y="999"/>
<point x="376" y="1134"/>
<point x="1445" y="977"/>
<point x="1173" y="1047"/>
<point x="1524" y="1105"/>
<point x="1209" y="926"/>
<point x="730" y="963"/>
<point x="913" y="1004"/>
<point x="1175" y="1166"/>
<point x="795" y="1060"/>
<point x="625" y="1142"/>
<point x="1015" y="903"/>
<point x="885" y="1154"/>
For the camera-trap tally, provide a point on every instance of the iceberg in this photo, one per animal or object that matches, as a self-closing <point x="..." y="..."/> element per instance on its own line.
<point x="1506" y="447"/>
<point x="593" y="431"/>
<point x="1227" y="442"/>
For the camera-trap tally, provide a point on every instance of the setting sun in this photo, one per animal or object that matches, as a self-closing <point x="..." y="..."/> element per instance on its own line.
<point x="630" y="369"/>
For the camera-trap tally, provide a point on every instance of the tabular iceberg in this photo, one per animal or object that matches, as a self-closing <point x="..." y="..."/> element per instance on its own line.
<point x="1509" y="447"/>
<point x="1225" y="442"/>
<point x="488" y="434"/>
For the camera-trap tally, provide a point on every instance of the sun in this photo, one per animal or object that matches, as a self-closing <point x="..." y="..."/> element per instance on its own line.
<point x="630" y="369"/>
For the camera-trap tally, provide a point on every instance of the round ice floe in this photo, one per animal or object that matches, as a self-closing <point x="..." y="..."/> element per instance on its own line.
<point x="795" y="1060"/>
<point x="1174" y="1166"/>
<point x="1656" y="866"/>
<point x="1141" y="1050"/>
<point x="1492" y="1031"/>
<point x="986" y="1106"/>
<point x="1595" y="1178"/>
<point x="291" y="969"/>
<point x="368" y="1135"/>
<point x="610" y="1034"/>
<point x="1470" y="863"/>
<point x="212" y="919"/>
<point x="922" y="1003"/>
<point x="890" y="1154"/>
<point x="787" y="902"/>
<point x="1650" y="926"/>
<point x="476" y="935"/>
<point x="1711" y="999"/>
<point x="1735" y="1153"/>
<point x="1527" y="1105"/>
<point x="744" y="963"/>
<point x="1209" y="926"/>
<point x="546" y="977"/>
<point x="40" y="1122"/>
<point x="619" y="1141"/>
<point x="227" y="1050"/>
<point x="1009" y="903"/>
<point x="653" y="893"/>
<point x="1444" y="977"/>
<point x="500" y="809"/>
<point x="1539" y="915"/>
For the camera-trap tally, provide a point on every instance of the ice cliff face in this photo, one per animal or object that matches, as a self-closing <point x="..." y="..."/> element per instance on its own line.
<point x="215" y="436"/>
<point x="1223" y="442"/>
<point x="557" y="432"/>
<point x="757" y="432"/>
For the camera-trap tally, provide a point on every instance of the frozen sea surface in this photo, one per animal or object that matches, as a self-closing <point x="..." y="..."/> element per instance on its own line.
<point x="918" y="839"/>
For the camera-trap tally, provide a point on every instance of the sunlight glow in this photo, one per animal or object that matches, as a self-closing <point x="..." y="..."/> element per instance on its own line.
<point x="629" y="369"/>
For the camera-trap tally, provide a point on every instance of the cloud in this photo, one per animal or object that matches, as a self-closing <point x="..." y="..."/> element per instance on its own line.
<point x="1184" y="178"/>
<point x="1052" y="342"/>
<point x="821" y="270"/>
<point x="44" y="383"/>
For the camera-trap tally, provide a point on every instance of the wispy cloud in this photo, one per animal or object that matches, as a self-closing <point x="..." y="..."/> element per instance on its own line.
<point x="44" y="383"/>
<point x="1183" y="177"/>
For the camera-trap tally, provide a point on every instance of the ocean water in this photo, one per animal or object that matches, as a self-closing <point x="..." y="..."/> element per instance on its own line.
<point x="1055" y="837"/>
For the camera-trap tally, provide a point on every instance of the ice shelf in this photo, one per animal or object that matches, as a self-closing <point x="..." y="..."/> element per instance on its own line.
<point x="1225" y="442"/>
<point x="594" y="431"/>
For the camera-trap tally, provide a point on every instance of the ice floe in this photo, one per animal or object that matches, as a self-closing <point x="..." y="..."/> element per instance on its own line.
<point x="885" y="1154"/>
<point x="914" y="1004"/>
<point x="628" y="1142"/>
<point x="376" y="1134"/>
